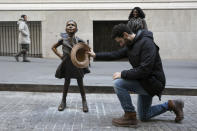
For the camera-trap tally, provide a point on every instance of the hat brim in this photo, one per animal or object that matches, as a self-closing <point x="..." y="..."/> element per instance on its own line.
<point x="79" y="57"/>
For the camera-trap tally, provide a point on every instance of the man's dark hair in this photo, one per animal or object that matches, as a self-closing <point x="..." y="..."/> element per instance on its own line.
<point x="135" y="24"/>
<point x="140" y="13"/>
<point x="119" y="29"/>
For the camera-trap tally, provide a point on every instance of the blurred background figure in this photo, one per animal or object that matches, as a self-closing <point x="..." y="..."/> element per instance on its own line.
<point x="136" y="13"/>
<point x="23" y="38"/>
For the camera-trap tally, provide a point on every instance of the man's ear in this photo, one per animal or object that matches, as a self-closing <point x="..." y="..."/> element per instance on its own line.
<point x="125" y="35"/>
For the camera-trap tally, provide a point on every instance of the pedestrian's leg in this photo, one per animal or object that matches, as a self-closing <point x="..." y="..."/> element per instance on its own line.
<point x="25" y="56"/>
<point x="19" y="53"/>
<point x="146" y="111"/>
<point x="83" y="95"/>
<point x="65" y="91"/>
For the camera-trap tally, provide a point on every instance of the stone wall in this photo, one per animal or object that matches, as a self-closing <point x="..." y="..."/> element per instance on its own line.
<point x="173" y="22"/>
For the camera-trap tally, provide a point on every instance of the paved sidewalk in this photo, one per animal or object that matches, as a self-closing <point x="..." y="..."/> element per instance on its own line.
<point x="26" y="111"/>
<point x="33" y="111"/>
<point x="38" y="75"/>
<point x="179" y="73"/>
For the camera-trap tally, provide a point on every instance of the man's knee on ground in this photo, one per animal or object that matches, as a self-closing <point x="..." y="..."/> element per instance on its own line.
<point x="143" y="118"/>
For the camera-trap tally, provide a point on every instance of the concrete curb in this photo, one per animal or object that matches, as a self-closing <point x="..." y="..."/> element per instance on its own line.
<point x="186" y="91"/>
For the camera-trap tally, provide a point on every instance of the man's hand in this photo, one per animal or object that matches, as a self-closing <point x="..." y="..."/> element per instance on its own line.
<point x="116" y="75"/>
<point x="91" y="53"/>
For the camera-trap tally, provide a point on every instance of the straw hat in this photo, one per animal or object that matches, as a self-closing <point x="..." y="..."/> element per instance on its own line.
<point x="78" y="56"/>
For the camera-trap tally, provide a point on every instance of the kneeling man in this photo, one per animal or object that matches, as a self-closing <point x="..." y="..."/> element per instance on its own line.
<point x="146" y="78"/>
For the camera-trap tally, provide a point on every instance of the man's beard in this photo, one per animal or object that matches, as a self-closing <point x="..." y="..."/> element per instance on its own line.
<point x="127" y="42"/>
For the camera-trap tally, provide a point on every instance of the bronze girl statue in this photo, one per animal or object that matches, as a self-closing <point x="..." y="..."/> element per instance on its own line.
<point x="66" y="69"/>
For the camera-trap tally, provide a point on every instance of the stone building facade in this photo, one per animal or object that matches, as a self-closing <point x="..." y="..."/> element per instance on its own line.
<point x="173" y="22"/>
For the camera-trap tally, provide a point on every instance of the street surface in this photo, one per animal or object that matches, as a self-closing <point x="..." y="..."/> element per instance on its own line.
<point x="26" y="111"/>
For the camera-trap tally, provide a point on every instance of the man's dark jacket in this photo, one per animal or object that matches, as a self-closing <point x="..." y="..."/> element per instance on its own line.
<point x="143" y="55"/>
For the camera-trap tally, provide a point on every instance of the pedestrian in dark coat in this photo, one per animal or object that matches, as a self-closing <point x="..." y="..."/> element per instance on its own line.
<point x="146" y="76"/>
<point x="66" y="69"/>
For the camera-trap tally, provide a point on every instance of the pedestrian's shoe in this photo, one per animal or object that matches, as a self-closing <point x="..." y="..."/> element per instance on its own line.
<point x="177" y="107"/>
<point x="25" y="57"/>
<point x="26" y="60"/>
<point x="16" y="57"/>
<point x="85" y="106"/>
<point x="127" y="120"/>
<point x="62" y="106"/>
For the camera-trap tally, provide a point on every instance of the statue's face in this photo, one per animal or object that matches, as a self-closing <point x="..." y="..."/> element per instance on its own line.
<point x="71" y="27"/>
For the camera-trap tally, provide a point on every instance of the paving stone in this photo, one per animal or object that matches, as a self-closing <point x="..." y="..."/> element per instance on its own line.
<point x="26" y="111"/>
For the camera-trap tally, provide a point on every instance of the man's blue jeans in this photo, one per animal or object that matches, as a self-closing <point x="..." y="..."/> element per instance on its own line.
<point x="145" y="110"/>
